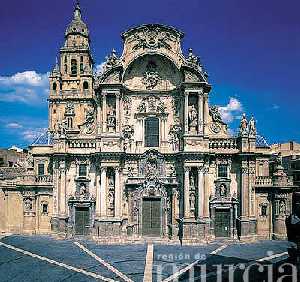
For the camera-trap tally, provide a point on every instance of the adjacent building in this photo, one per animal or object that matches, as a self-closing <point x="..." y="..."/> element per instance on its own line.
<point x="136" y="148"/>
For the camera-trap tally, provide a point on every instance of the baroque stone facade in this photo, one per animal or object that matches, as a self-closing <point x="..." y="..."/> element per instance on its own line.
<point x="132" y="150"/>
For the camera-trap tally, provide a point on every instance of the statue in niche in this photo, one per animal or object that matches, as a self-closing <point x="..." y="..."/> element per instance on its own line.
<point x="243" y="125"/>
<point x="192" y="181"/>
<point x="111" y="180"/>
<point x="192" y="201"/>
<point x="252" y="127"/>
<point x="282" y="207"/>
<point x="111" y="118"/>
<point x="193" y="118"/>
<point x="82" y="191"/>
<point x="151" y="167"/>
<point x="111" y="200"/>
<point x="223" y="190"/>
<point x="28" y="205"/>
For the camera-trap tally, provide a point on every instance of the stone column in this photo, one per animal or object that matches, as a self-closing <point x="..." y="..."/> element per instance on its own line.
<point x="186" y="112"/>
<point x="103" y="192"/>
<point x="98" y="193"/>
<point x="99" y="118"/>
<point x="118" y="193"/>
<point x="200" y="113"/>
<point x="205" y="111"/>
<point x="62" y="194"/>
<point x="118" y="112"/>
<point x="200" y="192"/>
<point x="244" y="192"/>
<point x="206" y="193"/>
<point x="104" y="120"/>
<point x="187" y="192"/>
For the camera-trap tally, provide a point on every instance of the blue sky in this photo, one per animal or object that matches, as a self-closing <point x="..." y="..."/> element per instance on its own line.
<point x="251" y="50"/>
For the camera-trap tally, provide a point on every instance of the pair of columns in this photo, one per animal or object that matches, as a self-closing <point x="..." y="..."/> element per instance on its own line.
<point x="201" y="109"/>
<point x="201" y="193"/>
<point x="101" y="193"/>
<point x="104" y="110"/>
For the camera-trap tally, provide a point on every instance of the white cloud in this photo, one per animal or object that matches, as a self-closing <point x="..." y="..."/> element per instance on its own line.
<point x="231" y="111"/>
<point x="31" y="134"/>
<point x="27" y="87"/>
<point x="14" y="125"/>
<point x="100" y="68"/>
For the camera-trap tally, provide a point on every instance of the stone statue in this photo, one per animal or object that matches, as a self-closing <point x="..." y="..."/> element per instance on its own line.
<point x="193" y="118"/>
<point x="111" y="181"/>
<point x="175" y="133"/>
<point x="252" y="127"/>
<point x="282" y="207"/>
<point x="192" y="58"/>
<point x="192" y="181"/>
<point x="28" y="205"/>
<point x="111" y="118"/>
<point x="192" y="201"/>
<point x="82" y="191"/>
<point x="142" y="107"/>
<point x="69" y="108"/>
<point x="223" y="190"/>
<point x="243" y="125"/>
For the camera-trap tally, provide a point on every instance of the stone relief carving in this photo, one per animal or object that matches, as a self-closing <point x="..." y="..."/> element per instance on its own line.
<point x="128" y="131"/>
<point x="215" y="114"/>
<point x="70" y="109"/>
<point x="191" y="77"/>
<point x="151" y="165"/>
<point x="152" y="38"/>
<point x="151" y="76"/>
<point x="28" y="205"/>
<point x="111" y="61"/>
<point x="152" y="104"/>
<point x="88" y="126"/>
<point x="175" y="134"/>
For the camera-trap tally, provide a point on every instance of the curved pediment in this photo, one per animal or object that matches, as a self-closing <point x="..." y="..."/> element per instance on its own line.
<point x="152" y="38"/>
<point x="152" y="72"/>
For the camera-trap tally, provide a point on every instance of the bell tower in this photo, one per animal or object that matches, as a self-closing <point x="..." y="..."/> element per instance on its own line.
<point x="71" y="81"/>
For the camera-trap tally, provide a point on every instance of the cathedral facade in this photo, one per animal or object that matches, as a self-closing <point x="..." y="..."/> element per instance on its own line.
<point x="136" y="149"/>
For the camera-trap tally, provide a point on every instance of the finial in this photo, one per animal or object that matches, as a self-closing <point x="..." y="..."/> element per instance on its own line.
<point x="77" y="12"/>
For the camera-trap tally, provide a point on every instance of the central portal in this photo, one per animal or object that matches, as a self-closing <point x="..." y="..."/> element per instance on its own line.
<point x="151" y="217"/>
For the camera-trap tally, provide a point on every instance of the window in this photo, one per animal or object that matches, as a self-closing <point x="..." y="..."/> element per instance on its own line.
<point x="82" y="170"/>
<point x="81" y="64"/>
<point x="222" y="171"/>
<point x="70" y="122"/>
<point x="44" y="208"/>
<point x="85" y="85"/>
<point x="73" y="67"/>
<point x="41" y="169"/>
<point x="54" y="86"/>
<point x="151" y="132"/>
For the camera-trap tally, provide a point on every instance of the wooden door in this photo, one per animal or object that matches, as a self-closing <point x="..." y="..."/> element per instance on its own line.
<point x="222" y="223"/>
<point x="82" y="217"/>
<point x="151" y="217"/>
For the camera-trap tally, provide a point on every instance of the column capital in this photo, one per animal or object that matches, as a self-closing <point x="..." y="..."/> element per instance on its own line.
<point x="103" y="168"/>
<point x="187" y="169"/>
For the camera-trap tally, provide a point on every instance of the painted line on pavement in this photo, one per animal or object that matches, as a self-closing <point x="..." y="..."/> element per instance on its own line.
<point x="218" y="250"/>
<point x="187" y="268"/>
<point x="104" y="263"/>
<point x="149" y="264"/>
<point x="273" y="256"/>
<point x="69" y="267"/>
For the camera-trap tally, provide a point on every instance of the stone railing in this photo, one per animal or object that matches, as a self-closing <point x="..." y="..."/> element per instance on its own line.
<point x="220" y="143"/>
<point x="263" y="181"/>
<point x="81" y="144"/>
<point x="35" y="180"/>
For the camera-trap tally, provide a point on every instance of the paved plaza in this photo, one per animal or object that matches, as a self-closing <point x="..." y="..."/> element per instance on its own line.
<point x="43" y="258"/>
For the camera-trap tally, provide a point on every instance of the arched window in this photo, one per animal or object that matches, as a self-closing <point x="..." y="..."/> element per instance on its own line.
<point x="151" y="132"/>
<point x="85" y="85"/>
<point x="73" y="67"/>
<point x="54" y="86"/>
